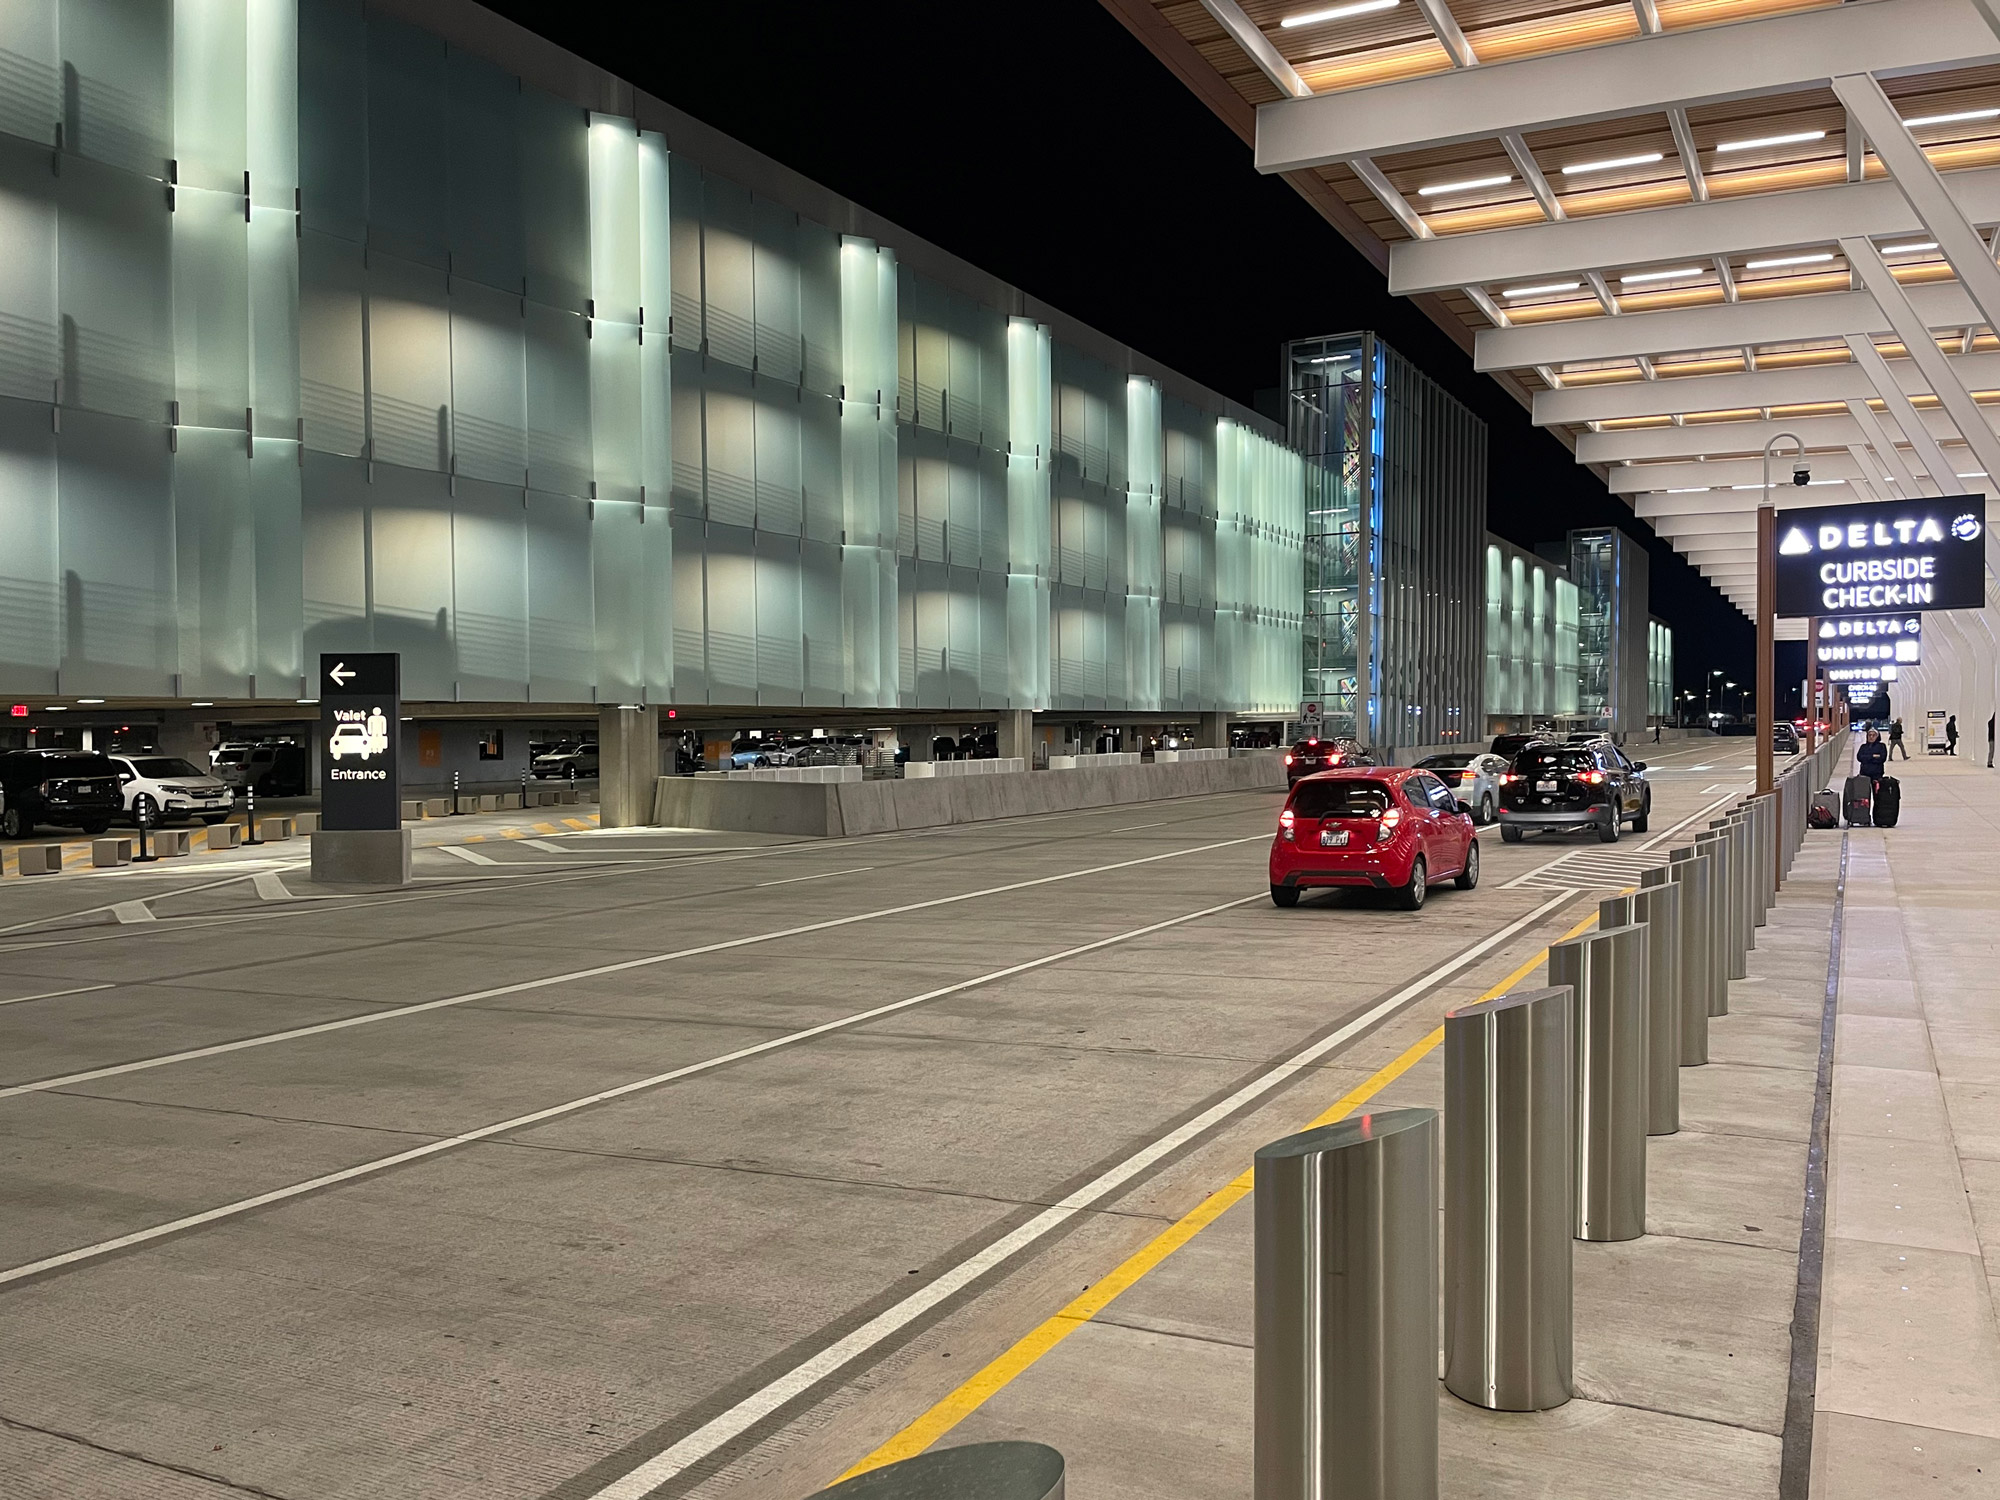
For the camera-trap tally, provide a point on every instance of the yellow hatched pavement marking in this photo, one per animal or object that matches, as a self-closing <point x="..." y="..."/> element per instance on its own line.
<point x="547" y="828"/>
<point x="1016" y="1361"/>
<point x="577" y="823"/>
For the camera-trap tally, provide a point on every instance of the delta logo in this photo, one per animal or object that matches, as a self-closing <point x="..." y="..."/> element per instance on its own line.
<point x="1865" y="536"/>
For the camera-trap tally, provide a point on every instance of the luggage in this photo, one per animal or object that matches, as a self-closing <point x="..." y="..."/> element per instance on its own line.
<point x="1825" y="810"/>
<point x="1888" y="801"/>
<point x="1855" y="796"/>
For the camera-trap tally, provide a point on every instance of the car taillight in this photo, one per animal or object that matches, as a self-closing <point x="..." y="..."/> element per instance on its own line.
<point x="1286" y="824"/>
<point x="1507" y="776"/>
<point x="1386" y="829"/>
<point x="1593" y="777"/>
<point x="1288" y="757"/>
<point x="1336" y="760"/>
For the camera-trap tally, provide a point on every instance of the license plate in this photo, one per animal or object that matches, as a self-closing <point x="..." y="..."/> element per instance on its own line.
<point x="1333" y="838"/>
<point x="1545" y="786"/>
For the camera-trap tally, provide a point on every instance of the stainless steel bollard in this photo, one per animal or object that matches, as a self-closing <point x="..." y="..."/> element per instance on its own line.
<point x="1689" y="874"/>
<point x="1742" y="879"/>
<point x="1508" y="1296"/>
<point x="1658" y="910"/>
<point x="1734" y="918"/>
<point x="990" y="1471"/>
<point x="1606" y="973"/>
<point x="1347" y="1308"/>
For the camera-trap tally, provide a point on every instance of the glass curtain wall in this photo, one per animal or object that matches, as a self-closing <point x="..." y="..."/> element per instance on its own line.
<point x="1613" y="640"/>
<point x="1660" y="669"/>
<point x="1531" y="655"/>
<point x="1401" y="490"/>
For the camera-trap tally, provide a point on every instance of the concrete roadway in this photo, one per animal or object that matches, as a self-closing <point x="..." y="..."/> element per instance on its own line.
<point x="647" y="1162"/>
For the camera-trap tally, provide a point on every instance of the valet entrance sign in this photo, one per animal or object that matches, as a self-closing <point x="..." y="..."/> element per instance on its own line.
<point x="1842" y="560"/>
<point x="360" y="710"/>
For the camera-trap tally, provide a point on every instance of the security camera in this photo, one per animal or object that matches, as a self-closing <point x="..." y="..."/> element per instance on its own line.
<point x="1801" y="475"/>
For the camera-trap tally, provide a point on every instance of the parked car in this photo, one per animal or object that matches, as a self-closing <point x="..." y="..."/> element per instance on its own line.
<point x="69" y="788"/>
<point x="1317" y="754"/>
<point x="1474" y="777"/>
<point x="275" y="769"/>
<point x="174" y="790"/>
<point x="1785" y="739"/>
<point x="568" y="764"/>
<point x="1388" y="828"/>
<point x="1559" y="787"/>
<point x="747" y="760"/>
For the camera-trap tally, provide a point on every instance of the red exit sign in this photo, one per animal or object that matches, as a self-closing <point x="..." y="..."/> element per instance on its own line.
<point x="19" y="711"/>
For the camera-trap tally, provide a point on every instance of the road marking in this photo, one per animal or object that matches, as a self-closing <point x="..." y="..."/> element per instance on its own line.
<point x="133" y="911"/>
<point x="989" y="1380"/>
<point x="471" y="857"/>
<point x="270" y="886"/>
<point x="572" y="1106"/>
<point x="731" y="1424"/>
<point x="598" y="971"/>
<point x="547" y="847"/>
<point x="1135" y="827"/>
<point x="58" y="994"/>
<point x="578" y="823"/>
<point x="1707" y="789"/>
<point x="828" y="875"/>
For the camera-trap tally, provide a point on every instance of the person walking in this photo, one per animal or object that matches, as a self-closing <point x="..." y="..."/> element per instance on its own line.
<point x="1989" y="740"/>
<point x="1951" y="735"/>
<point x="1656" y="735"/>
<point x="1872" y="759"/>
<point x="1896" y="739"/>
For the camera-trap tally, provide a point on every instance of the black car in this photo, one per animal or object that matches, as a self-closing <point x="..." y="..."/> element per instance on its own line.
<point x="1317" y="754"/>
<point x="1511" y="745"/>
<point x="1574" y="786"/>
<point x="69" y="788"/>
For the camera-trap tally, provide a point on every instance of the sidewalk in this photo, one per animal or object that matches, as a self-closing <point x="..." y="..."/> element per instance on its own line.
<point x="1909" y="1371"/>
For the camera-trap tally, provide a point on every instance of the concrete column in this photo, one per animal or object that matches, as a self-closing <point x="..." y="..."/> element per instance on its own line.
<point x="918" y="737"/>
<point x="628" y="765"/>
<point x="1017" y="734"/>
<point x="1214" y="732"/>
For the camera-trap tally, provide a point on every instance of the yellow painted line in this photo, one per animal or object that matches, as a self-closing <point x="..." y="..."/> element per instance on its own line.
<point x="1016" y="1361"/>
<point x="577" y="823"/>
<point x="475" y="838"/>
<point x="547" y="828"/>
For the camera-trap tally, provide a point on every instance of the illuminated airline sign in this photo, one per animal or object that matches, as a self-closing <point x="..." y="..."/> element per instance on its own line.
<point x="1851" y="675"/>
<point x="1882" y="555"/>
<point x="1870" y="638"/>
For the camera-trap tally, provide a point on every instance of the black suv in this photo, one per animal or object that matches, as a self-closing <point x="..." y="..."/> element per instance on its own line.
<point x="1574" y="786"/>
<point x="70" y="788"/>
<point x="1316" y="754"/>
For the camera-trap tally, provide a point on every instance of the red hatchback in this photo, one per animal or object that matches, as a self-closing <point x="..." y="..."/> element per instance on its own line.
<point x="1390" y="828"/>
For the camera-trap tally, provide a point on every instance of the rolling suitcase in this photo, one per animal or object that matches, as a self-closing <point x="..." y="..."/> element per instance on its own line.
<point x="1888" y="801"/>
<point x="1855" y="796"/>
<point x="1825" y="810"/>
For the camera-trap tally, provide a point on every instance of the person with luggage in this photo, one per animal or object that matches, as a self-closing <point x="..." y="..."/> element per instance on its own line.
<point x="1872" y="759"/>
<point x="1951" y="735"/>
<point x="1896" y="739"/>
<point x="1858" y="795"/>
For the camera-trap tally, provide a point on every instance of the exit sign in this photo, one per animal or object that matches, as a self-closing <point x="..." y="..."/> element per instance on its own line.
<point x="19" y="711"/>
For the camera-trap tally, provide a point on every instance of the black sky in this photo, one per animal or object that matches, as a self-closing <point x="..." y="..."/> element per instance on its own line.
<point x="1039" y="140"/>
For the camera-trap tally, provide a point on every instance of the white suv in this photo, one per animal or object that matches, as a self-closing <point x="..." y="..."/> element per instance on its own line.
<point x="175" y="789"/>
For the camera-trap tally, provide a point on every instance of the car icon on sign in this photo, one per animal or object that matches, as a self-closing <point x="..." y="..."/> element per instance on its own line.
<point x="350" y="739"/>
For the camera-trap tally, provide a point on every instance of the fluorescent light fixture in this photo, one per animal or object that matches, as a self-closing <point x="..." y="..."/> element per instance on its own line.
<point x="1612" y="163"/>
<point x="56" y="708"/>
<point x="305" y="700"/>
<point x="1771" y="486"/>
<point x="90" y="700"/>
<point x="1439" y="189"/>
<point x="1336" y="13"/>
<point x="1543" y="290"/>
<point x="1974" y="474"/>
<point x="1645" y="276"/>
<point x="1694" y="489"/>
<point x="1953" y="118"/>
<point x="1788" y="260"/>
<point x="1796" y="137"/>
<point x="1910" y="249"/>
<point x="1331" y="359"/>
<point x="1811" y="482"/>
<point x="208" y="704"/>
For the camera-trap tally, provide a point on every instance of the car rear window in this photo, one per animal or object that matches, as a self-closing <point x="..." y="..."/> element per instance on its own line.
<point x="1445" y="762"/>
<point x="1341" y="799"/>
<point x="46" y="765"/>
<point x="1551" y="761"/>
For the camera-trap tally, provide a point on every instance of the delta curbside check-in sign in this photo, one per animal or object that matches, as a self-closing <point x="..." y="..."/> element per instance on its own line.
<point x="1857" y="640"/>
<point x="1882" y="555"/>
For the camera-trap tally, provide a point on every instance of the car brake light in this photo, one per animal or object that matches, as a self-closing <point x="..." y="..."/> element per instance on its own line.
<point x="1593" y="777"/>
<point x="1286" y="821"/>
<point x="1386" y="829"/>
<point x="1507" y="776"/>
<point x="1336" y="760"/>
<point x="1288" y="757"/>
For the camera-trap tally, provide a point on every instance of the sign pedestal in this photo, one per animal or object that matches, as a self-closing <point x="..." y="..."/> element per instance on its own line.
<point x="361" y="839"/>
<point x="361" y="856"/>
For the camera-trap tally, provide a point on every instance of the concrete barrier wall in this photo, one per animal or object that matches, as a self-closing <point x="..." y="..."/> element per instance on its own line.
<point x="840" y="809"/>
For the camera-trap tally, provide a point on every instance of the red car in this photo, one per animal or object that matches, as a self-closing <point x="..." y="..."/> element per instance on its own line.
<point x="1390" y="828"/>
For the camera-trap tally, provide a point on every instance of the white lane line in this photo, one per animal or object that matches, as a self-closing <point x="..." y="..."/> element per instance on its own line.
<point x="1716" y="788"/>
<point x="731" y="1424"/>
<point x="570" y="1107"/>
<point x="1695" y="817"/>
<point x="545" y="846"/>
<point x="133" y="911"/>
<point x="58" y="994"/>
<point x="825" y="875"/>
<point x="597" y="971"/>
<point x="470" y="856"/>
<point x="1135" y="827"/>
<point x="270" y="886"/>
<point x="1701" y="768"/>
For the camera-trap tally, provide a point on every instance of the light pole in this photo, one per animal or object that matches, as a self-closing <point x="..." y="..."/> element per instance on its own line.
<point x="1767" y="608"/>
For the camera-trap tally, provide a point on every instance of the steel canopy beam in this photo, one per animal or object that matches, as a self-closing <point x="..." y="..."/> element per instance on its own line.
<point x="1630" y="479"/>
<point x="1770" y="55"/>
<point x="1688" y="231"/>
<point x="1725" y="439"/>
<point x="1721" y="325"/>
<point x="1682" y="394"/>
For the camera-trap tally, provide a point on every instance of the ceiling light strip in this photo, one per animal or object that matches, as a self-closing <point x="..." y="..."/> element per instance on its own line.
<point x="1816" y="258"/>
<point x="1757" y="143"/>
<point x="1613" y="163"/>
<point x="1336" y="13"/>
<point x="1464" y="185"/>
<point x="1640" y="278"/>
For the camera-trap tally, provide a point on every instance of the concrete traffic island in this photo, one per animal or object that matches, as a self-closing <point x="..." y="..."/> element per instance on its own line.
<point x="845" y="809"/>
<point x="361" y="856"/>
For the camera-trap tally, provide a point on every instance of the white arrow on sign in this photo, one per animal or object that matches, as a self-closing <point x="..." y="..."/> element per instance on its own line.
<point x="341" y="674"/>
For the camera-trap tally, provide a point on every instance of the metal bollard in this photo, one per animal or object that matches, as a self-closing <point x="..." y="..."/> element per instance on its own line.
<point x="1508" y="1295"/>
<point x="1347" y="1335"/>
<point x="1658" y="910"/>
<point x="1606" y="973"/>
<point x="1734" y="919"/>
<point x="1742" y="880"/>
<point x="991" y="1471"/>
<point x="1688" y="872"/>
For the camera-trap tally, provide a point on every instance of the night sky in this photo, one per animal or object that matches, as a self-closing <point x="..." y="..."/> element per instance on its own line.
<point x="1039" y="140"/>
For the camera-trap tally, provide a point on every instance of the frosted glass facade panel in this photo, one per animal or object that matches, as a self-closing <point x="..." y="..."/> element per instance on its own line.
<point x="489" y="416"/>
<point x="332" y="382"/>
<point x="618" y="580"/>
<point x="689" y="419"/>
<point x="561" y="626"/>
<point x="215" y="557"/>
<point x="30" y="71"/>
<point x="558" y="401"/>
<point x="819" y="467"/>
<point x="410" y="556"/>
<point x="333" y="117"/>
<point x="489" y="585"/>
<point x="730" y="447"/>
<point x="777" y="349"/>
<point x="30" y="351"/>
<point x="484" y="217"/>
<point x="728" y="275"/>
<point x="618" y="454"/>
<point x="274" y="322"/>
<point x="210" y="145"/>
<point x="407" y="191"/>
<point x="780" y="657"/>
<point x="409" y="365"/>
<point x="115" y="490"/>
<point x="780" y="477"/>
<point x="211" y="310"/>
<point x="30" y="566"/>
<point x="818" y="253"/>
<point x="690" y="606"/>
<point x="271" y="104"/>
<point x="334" y="554"/>
<point x="732" y="614"/>
<point x="614" y="219"/>
<point x="276" y="499"/>
<point x="115" y="292"/>
<point x="555" y="201"/>
<point x="819" y="620"/>
<point x="118" y="86"/>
